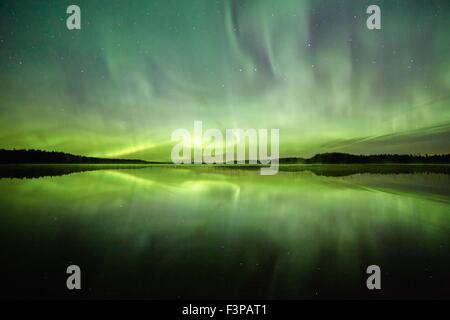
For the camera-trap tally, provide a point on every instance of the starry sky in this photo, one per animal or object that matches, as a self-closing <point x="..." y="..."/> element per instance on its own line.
<point x="137" y="70"/>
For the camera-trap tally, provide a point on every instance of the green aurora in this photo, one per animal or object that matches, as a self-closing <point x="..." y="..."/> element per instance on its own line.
<point x="138" y="70"/>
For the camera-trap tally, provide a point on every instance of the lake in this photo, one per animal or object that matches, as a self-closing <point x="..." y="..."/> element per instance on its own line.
<point x="161" y="232"/>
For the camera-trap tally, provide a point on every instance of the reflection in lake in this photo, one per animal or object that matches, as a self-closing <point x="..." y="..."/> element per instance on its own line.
<point x="160" y="232"/>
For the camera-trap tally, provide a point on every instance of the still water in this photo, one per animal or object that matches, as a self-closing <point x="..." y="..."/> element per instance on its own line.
<point x="161" y="232"/>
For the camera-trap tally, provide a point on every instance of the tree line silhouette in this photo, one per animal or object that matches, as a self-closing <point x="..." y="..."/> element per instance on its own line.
<point x="51" y="157"/>
<point x="346" y="158"/>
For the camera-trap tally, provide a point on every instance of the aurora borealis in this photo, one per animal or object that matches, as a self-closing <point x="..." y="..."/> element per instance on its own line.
<point x="138" y="70"/>
<point x="194" y="87"/>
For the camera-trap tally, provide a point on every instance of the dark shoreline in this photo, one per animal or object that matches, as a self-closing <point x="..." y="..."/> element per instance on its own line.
<point x="37" y="163"/>
<point x="28" y="171"/>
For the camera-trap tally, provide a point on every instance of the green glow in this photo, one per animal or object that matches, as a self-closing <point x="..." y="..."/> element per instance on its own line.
<point x="187" y="228"/>
<point x="135" y="72"/>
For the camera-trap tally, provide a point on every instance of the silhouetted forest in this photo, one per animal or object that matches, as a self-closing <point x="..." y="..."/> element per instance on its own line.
<point x="20" y="164"/>
<point x="345" y="158"/>
<point x="47" y="157"/>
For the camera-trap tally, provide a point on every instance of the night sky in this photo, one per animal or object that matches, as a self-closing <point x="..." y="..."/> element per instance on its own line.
<point x="139" y="69"/>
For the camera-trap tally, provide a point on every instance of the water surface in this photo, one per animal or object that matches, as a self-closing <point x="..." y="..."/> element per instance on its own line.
<point x="160" y="232"/>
